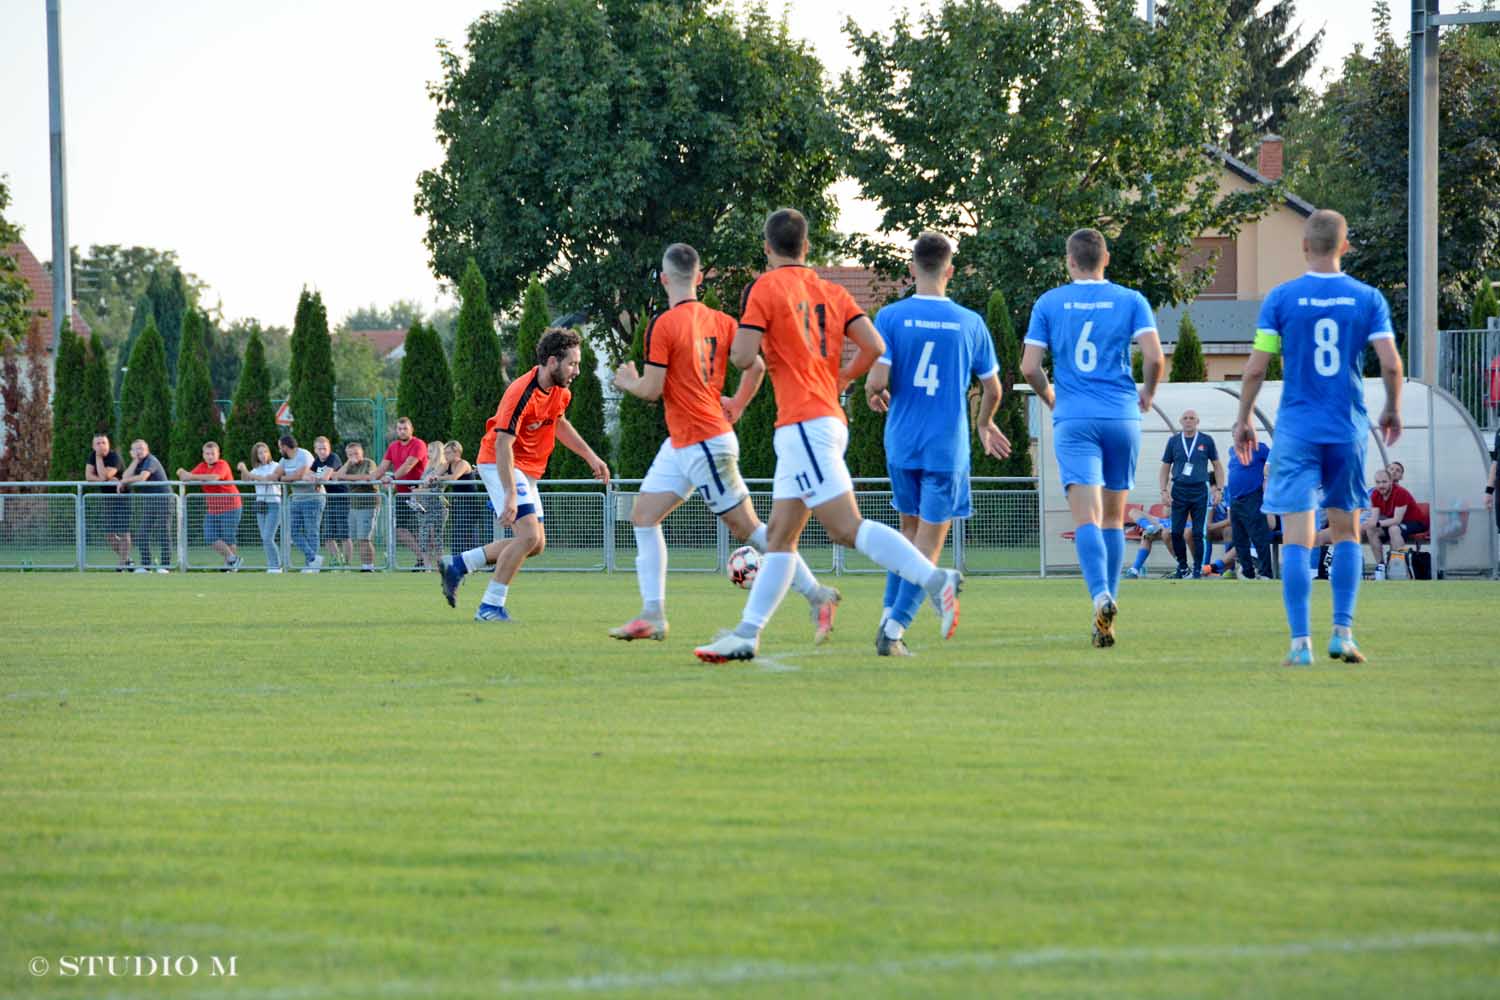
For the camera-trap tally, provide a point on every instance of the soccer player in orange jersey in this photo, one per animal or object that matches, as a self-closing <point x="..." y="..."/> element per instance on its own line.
<point x="687" y="357"/>
<point x="518" y="440"/>
<point x="799" y="322"/>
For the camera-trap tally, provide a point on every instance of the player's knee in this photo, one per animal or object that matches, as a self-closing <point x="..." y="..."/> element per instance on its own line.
<point x="844" y="533"/>
<point x="641" y="519"/>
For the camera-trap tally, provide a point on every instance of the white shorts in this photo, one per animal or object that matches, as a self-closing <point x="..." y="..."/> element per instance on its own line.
<point x="528" y="500"/>
<point x="709" y="468"/>
<point x="810" y="461"/>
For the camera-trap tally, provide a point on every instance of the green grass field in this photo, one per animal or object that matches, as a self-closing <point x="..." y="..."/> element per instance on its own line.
<point x="360" y="793"/>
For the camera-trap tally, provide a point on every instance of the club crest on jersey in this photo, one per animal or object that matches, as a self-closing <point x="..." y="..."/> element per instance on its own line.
<point x="538" y="425"/>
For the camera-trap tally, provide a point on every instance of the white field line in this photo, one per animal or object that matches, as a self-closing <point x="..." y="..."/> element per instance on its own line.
<point x="771" y="971"/>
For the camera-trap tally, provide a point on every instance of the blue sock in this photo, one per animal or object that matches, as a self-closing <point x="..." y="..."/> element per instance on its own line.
<point x="1296" y="589"/>
<point x="1208" y="554"/>
<point x="1313" y="554"/>
<point x="1092" y="558"/>
<point x="892" y="587"/>
<point x="1141" y="555"/>
<point x="1218" y="565"/>
<point x="908" y="602"/>
<point x="1114" y="555"/>
<point x="1348" y="564"/>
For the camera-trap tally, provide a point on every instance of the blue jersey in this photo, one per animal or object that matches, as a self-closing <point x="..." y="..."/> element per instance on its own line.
<point x="934" y="346"/>
<point x="1089" y="326"/>
<point x="1320" y="324"/>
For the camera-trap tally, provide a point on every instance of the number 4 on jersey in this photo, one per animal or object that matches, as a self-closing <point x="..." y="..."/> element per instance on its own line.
<point x="926" y="376"/>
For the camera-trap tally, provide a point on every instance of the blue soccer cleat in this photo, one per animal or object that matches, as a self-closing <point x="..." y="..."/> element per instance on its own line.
<point x="450" y="575"/>
<point x="1300" y="656"/>
<point x="491" y="613"/>
<point x="1343" y="648"/>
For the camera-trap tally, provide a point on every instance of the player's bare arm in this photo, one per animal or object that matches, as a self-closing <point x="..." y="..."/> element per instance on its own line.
<point x="1035" y="375"/>
<point x="645" y="385"/>
<point x="878" y="387"/>
<point x="996" y="444"/>
<point x="1251" y="379"/>
<point x="1152" y="364"/>
<point x="1391" y="374"/>
<point x="750" y="382"/>
<point x="505" y="467"/>
<point x="746" y="348"/>
<point x="569" y="438"/>
<point x="871" y="347"/>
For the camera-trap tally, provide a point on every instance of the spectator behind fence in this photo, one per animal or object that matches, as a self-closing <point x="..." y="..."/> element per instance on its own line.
<point x="405" y="459"/>
<point x="364" y="501"/>
<point x="267" y="501"/>
<point x="1398" y="519"/>
<point x="104" y="466"/>
<point x="1185" y="466"/>
<point x="1397" y="472"/>
<point x="1247" y="522"/>
<point x="221" y="504"/>
<point x="335" y="527"/>
<point x="147" y="481"/>
<point x="432" y="510"/>
<point x="470" y="517"/>
<point x="305" y="515"/>
<point x="1489" y="489"/>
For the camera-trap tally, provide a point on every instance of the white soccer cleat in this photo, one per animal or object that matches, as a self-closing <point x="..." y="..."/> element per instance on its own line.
<point x="945" y="603"/>
<point x="727" y="648"/>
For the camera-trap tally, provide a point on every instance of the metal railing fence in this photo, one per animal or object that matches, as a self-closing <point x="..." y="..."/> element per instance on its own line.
<point x="1468" y="366"/>
<point x="406" y="527"/>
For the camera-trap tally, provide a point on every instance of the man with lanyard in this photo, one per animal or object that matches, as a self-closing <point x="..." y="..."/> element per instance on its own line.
<point x="1185" y="467"/>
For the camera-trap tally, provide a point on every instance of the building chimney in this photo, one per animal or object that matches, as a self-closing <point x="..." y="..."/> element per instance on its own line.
<point x="1269" y="164"/>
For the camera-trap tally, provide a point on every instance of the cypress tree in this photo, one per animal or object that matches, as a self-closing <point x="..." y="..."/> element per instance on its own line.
<point x="533" y="322"/>
<point x="643" y="425"/>
<point x="866" y="453"/>
<point x="1137" y="366"/>
<point x="196" y="419"/>
<point x="146" y="398"/>
<point x="98" y="412"/>
<point x="138" y="318"/>
<point x="425" y="391"/>
<point x="586" y="414"/>
<point x="71" y="435"/>
<point x="1486" y="304"/>
<point x="1187" y="356"/>
<point x="478" y="376"/>
<point x="1011" y="417"/>
<point x="312" y="376"/>
<point x="169" y="302"/>
<point x="1273" y="369"/>
<point x="251" y="417"/>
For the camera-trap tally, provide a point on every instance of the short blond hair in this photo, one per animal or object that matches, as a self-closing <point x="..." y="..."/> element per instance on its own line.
<point x="1325" y="232"/>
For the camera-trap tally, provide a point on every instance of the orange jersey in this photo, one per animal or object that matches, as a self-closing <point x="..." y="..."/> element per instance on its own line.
<point x="802" y="319"/>
<point x="529" y="414"/>
<point x="691" y="341"/>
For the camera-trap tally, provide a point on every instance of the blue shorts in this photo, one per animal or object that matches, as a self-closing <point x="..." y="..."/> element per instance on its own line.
<point x="222" y="527"/>
<point x="935" y="497"/>
<point x="1300" y="469"/>
<point x="1097" y="452"/>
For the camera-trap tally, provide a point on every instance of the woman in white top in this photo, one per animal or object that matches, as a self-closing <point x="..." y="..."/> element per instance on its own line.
<point x="267" y="501"/>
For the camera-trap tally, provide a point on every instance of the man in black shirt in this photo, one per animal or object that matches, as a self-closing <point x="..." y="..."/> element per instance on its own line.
<point x="145" y="477"/>
<point x="1185" y="484"/>
<point x="103" y="466"/>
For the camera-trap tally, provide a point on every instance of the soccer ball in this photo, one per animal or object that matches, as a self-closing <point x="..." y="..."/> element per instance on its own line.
<point x="744" y="563"/>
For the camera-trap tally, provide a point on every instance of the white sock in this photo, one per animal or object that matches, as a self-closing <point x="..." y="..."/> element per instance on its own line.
<point x="651" y="564"/>
<point x="893" y="629"/>
<point x="803" y="582"/>
<point x="891" y="550"/>
<point x="757" y="539"/>
<point x="885" y="616"/>
<point x="1302" y="642"/>
<point x="495" y="593"/>
<point x="771" y="583"/>
<point x="474" y="560"/>
<point x="1343" y="631"/>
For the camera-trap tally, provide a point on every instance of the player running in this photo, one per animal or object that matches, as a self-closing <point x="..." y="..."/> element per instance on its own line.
<point x="933" y="346"/>
<point x="687" y="357"/>
<point x="1321" y="323"/>
<point x="518" y="440"/>
<point x="1088" y="325"/>
<point x="800" y="322"/>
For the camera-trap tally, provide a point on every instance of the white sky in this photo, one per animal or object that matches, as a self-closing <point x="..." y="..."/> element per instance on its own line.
<point x="277" y="144"/>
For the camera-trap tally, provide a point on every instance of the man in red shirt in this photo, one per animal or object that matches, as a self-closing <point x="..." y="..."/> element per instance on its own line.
<point x="222" y="506"/>
<point x="687" y="357"/>
<point x="1396" y="518"/>
<point x="404" y="462"/>
<point x="799" y="322"/>
<point x="518" y="440"/>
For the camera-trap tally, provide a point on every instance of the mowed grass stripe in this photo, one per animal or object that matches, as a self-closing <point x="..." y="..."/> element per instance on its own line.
<point x="350" y="785"/>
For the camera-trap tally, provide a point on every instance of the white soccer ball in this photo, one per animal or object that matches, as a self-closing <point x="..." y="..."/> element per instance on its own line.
<point x="744" y="563"/>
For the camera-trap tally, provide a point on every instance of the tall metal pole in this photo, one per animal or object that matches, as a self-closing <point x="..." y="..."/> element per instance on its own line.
<point x="1422" y="193"/>
<point x="1151" y="12"/>
<point x="62" y="269"/>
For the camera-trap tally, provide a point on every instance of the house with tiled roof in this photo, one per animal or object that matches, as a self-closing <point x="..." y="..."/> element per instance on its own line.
<point x="387" y="344"/>
<point x="39" y="279"/>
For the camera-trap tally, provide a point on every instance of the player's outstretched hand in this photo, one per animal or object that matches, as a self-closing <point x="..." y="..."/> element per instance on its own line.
<point x="599" y="469"/>
<point x="1390" y="425"/>
<point x="626" y="376"/>
<point x="732" y="410"/>
<point x="1244" y="441"/>
<point x="880" y="401"/>
<point x="996" y="444"/>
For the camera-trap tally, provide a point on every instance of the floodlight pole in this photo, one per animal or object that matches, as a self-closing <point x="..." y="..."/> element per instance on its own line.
<point x="62" y="262"/>
<point x="1422" y="196"/>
